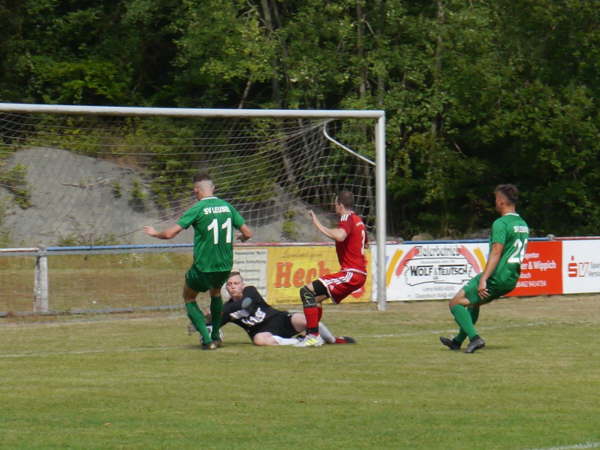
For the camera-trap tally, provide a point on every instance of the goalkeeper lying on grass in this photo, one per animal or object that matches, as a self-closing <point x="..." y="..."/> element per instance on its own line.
<point x="264" y="324"/>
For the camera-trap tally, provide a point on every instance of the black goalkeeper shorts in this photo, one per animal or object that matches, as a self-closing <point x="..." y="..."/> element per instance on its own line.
<point x="279" y="325"/>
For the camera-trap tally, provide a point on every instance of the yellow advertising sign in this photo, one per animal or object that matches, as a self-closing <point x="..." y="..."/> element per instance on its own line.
<point x="290" y="268"/>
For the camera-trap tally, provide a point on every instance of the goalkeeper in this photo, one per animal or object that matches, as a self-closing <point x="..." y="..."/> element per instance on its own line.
<point x="508" y="243"/>
<point x="213" y="221"/>
<point x="264" y="324"/>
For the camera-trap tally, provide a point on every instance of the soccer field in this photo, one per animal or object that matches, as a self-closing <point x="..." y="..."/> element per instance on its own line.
<point x="132" y="381"/>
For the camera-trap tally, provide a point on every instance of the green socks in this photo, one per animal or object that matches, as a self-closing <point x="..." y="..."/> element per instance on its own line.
<point x="464" y="319"/>
<point x="216" y="309"/>
<point x="198" y="321"/>
<point x="461" y="336"/>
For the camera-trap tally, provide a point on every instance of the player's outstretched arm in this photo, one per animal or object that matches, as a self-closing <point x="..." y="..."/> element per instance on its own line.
<point x="337" y="234"/>
<point x="169" y="233"/>
<point x="246" y="233"/>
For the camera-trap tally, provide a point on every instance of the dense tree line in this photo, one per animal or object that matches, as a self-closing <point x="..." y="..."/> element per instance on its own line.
<point x="477" y="92"/>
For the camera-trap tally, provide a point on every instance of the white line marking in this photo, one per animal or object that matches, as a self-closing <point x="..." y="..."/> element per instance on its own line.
<point x="483" y="328"/>
<point x="572" y="447"/>
<point x="86" y="322"/>
<point x="94" y="351"/>
<point x="453" y="330"/>
<point x="181" y="347"/>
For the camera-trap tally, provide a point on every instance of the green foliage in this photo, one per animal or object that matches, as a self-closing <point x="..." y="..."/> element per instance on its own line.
<point x="5" y="240"/>
<point x="3" y="208"/>
<point x="116" y="189"/>
<point x="76" y="82"/>
<point x="222" y="44"/>
<point x="83" y="239"/>
<point x="137" y="197"/>
<point x="4" y="233"/>
<point x="289" y="227"/>
<point x="475" y="93"/>
<point x="15" y="180"/>
<point x="71" y="132"/>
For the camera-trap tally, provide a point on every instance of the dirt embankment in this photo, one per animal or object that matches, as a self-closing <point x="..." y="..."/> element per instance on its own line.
<point x="82" y="200"/>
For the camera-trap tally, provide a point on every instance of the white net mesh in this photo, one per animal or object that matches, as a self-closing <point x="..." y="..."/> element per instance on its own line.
<point x="85" y="179"/>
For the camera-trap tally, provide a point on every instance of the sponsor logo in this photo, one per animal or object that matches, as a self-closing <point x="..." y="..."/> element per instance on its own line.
<point x="531" y="283"/>
<point x="538" y="265"/>
<point x="255" y="319"/>
<point x="436" y="265"/>
<point x="216" y="210"/>
<point x="582" y="269"/>
<point x="286" y="275"/>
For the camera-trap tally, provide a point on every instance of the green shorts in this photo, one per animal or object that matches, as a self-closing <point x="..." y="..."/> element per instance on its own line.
<point x="203" y="281"/>
<point x="495" y="290"/>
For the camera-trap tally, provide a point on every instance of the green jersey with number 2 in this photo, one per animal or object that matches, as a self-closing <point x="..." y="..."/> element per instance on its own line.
<point x="213" y="220"/>
<point x="511" y="231"/>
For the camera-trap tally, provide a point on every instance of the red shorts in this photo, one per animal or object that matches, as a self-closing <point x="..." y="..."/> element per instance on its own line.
<point x="341" y="284"/>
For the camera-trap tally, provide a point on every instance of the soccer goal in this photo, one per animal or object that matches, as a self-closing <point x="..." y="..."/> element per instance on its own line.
<point x="73" y="176"/>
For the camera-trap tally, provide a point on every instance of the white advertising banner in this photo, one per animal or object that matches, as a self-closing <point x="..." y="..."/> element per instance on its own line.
<point x="431" y="271"/>
<point x="252" y="264"/>
<point x="581" y="266"/>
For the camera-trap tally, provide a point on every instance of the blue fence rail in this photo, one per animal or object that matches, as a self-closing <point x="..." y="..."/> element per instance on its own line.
<point x="41" y="255"/>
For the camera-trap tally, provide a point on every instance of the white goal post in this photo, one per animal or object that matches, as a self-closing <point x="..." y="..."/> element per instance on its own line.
<point x="376" y="116"/>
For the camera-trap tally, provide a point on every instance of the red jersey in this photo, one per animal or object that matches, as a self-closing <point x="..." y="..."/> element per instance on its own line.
<point x="351" y="251"/>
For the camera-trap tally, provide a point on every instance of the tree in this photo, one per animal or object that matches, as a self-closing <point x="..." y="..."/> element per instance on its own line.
<point x="476" y="93"/>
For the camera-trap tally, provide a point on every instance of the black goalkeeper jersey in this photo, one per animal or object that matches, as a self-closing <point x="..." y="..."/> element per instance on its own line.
<point x="251" y="312"/>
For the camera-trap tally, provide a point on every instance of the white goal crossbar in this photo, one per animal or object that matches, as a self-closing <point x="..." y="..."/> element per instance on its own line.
<point x="379" y="132"/>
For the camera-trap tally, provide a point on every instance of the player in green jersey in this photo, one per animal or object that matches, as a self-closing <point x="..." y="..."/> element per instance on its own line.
<point x="508" y="243"/>
<point x="213" y="221"/>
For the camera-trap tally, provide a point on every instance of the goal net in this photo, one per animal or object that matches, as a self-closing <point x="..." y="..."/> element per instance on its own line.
<point x="92" y="179"/>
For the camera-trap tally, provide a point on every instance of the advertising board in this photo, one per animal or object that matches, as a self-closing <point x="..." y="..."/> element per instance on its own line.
<point x="541" y="270"/>
<point x="252" y="264"/>
<point x="291" y="267"/>
<point x="581" y="266"/>
<point x="432" y="271"/>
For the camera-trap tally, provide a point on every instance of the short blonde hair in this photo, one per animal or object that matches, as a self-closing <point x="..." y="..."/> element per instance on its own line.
<point x="235" y="273"/>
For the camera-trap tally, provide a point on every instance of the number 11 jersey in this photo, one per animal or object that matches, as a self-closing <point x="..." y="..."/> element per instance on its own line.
<point x="213" y="220"/>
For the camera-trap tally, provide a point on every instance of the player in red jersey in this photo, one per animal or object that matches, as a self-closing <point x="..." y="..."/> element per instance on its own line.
<point x="350" y="238"/>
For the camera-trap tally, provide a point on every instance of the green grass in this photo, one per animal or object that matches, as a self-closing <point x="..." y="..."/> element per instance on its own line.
<point x="95" y="282"/>
<point x="139" y="381"/>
